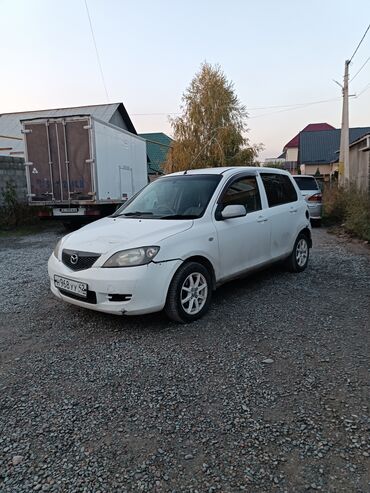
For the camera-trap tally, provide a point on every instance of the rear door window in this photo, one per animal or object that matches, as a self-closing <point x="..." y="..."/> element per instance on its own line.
<point x="306" y="183"/>
<point x="279" y="189"/>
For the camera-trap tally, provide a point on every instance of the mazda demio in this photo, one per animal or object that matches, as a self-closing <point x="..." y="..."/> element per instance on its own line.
<point x="180" y="237"/>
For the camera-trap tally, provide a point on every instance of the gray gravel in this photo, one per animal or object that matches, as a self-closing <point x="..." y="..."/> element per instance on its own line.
<point x="268" y="393"/>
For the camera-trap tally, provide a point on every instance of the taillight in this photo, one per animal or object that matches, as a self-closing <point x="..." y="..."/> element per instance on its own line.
<point x="317" y="197"/>
<point x="44" y="213"/>
<point x="92" y="212"/>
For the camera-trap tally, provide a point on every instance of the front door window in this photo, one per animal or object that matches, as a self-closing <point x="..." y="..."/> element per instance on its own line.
<point x="243" y="192"/>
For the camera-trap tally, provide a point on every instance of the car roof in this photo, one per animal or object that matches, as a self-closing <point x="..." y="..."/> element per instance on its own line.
<point x="203" y="171"/>
<point x="229" y="170"/>
<point x="303" y="176"/>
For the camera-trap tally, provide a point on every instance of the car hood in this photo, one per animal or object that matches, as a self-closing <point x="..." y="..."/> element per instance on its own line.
<point x="120" y="233"/>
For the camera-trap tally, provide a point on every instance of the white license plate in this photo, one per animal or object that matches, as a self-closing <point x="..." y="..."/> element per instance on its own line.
<point x="74" y="211"/>
<point x="75" y="287"/>
<point x="71" y="210"/>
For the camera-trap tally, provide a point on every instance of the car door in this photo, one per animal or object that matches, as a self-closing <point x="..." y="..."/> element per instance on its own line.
<point x="284" y="211"/>
<point x="244" y="242"/>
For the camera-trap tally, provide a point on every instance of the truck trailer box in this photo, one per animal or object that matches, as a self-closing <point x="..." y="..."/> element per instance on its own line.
<point x="79" y="165"/>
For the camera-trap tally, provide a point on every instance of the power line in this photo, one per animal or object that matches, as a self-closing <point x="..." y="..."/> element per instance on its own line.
<point x="296" y="107"/>
<point x="288" y="105"/>
<point x="153" y="114"/>
<point x="363" y="90"/>
<point x="359" y="44"/>
<point x="358" y="71"/>
<point x="257" y="108"/>
<point x="96" y="51"/>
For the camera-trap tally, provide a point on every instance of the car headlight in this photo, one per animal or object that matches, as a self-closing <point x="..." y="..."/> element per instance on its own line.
<point x="57" y="248"/>
<point x="132" y="257"/>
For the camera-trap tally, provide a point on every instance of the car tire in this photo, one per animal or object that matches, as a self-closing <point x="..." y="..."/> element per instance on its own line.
<point x="298" y="259"/>
<point x="68" y="226"/>
<point x="185" y="284"/>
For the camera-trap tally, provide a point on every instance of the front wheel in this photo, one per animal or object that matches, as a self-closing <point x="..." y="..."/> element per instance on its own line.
<point x="189" y="294"/>
<point x="298" y="259"/>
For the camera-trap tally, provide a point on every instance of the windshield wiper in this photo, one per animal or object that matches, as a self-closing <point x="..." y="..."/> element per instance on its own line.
<point x="136" y="213"/>
<point x="180" y="216"/>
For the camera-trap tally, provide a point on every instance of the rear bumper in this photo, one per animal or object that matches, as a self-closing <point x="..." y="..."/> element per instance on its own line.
<point x="147" y="286"/>
<point x="315" y="210"/>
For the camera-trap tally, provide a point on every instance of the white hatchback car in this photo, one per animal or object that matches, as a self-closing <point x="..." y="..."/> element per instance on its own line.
<point x="312" y="194"/>
<point x="179" y="238"/>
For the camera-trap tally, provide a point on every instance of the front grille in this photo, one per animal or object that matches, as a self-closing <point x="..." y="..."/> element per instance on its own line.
<point x="90" y="298"/>
<point x="79" y="260"/>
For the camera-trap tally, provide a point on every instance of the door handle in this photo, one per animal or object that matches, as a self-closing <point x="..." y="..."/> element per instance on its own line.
<point x="261" y="219"/>
<point x="293" y="211"/>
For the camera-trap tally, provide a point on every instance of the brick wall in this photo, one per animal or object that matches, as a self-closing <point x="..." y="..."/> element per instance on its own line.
<point x="12" y="170"/>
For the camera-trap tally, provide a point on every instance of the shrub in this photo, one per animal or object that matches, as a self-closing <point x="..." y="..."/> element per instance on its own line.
<point x="14" y="213"/>
<point x="357" y="215"/>
<point x="333" y="205"/>
<point x="350" y="208"/>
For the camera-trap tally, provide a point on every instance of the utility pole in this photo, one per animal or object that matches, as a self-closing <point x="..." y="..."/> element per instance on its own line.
<point x="344" y="134"/>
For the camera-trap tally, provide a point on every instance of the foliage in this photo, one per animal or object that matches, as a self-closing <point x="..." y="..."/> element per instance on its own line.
<point x="273" y="165"/>
<point x="246" y="156"/>
<point x="357" y="216"/>
<point x="13" y="213"/>
<point x="333" y="205"/>
<point x="9" y="209"/>
<point x="210" y="130"/>
<point x="349" y="208"/>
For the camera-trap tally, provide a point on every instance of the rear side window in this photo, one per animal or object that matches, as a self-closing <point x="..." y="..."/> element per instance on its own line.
<point x="306" y="183"/>
<point x="279" y="189"/>
<point x="243" y="192"/>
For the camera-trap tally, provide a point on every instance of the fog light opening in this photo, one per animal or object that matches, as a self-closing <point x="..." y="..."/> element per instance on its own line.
<point x="119" y="297"/>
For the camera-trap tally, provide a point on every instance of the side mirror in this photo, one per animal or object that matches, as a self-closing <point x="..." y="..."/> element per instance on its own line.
<point x="231" y="211"/>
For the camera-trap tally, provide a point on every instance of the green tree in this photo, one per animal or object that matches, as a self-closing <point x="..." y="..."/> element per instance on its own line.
<point x="272" y="164"/>
<point x="209" y="132"/>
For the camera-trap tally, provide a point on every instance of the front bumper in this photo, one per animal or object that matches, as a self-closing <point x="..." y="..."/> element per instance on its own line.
<point x="147" y="285"/>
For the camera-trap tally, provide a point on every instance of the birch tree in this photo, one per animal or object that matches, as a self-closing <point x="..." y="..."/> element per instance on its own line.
<point x="211" y="128"/>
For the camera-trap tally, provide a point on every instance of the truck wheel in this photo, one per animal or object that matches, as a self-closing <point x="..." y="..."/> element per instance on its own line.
<point x="67" y="226"/>
<point x="71" y="226"/>
<point x="298" y="259"/>
<point x="189" y="294"/>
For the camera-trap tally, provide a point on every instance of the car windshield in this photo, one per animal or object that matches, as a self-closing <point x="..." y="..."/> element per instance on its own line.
<point x="306" y="183"/>
<point x="172" y="197"/>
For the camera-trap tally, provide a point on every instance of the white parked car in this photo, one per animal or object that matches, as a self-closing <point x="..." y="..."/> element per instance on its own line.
<point x="179" y="238"/>
<point x="311" y="192"/>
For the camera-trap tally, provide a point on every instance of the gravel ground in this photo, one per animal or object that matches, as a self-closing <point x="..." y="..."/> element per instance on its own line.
<point x="268" y="393"/>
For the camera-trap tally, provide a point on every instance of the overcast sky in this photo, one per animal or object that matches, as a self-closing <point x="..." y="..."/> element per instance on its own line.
<point x="277" y="53"/>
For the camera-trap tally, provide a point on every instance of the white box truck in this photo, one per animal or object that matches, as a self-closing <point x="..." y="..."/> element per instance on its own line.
<point x="80" y="168"/>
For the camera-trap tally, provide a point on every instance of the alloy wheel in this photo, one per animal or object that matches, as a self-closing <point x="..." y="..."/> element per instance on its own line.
<point x="301" y="252"/>
<point x="194" y="291"/>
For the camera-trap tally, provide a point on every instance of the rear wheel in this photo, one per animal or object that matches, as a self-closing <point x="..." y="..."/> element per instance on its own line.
<point x="298" y="259"/>
<point x="189" y="294"/>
